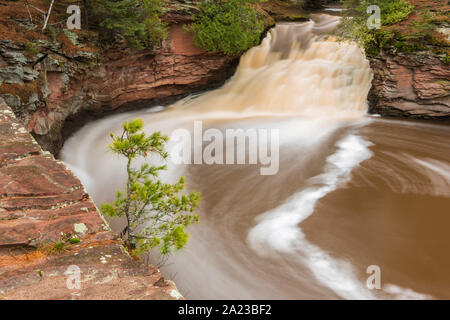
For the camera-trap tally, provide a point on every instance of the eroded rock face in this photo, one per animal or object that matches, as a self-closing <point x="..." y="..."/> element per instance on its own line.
<point x="72" y="81"/>
<point x="128" y="80"/>
<point x="42" y="202"/>
<point x="410" y="85"/>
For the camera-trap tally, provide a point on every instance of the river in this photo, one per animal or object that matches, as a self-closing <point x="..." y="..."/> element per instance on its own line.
<point x="350" y="190"/>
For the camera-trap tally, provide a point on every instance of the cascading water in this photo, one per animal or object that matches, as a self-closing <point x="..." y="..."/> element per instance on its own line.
<point x="289" y="73"/>
<point x="345" y="197"/>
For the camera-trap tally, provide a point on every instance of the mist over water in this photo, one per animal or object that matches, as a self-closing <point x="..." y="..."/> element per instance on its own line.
<point x="351" y="191"/>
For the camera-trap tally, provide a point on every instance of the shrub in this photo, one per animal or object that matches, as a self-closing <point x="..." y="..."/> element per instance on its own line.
<point x="156" y="214"/>
<point x="227" y="26"/>
<point x="74" y="240"/>
<point x="137" y="21"/>
<point x="354" y="23"/>
<point x="55" y="248"/>
<point x="446" y="59"/>
<point x="31" y="47"/>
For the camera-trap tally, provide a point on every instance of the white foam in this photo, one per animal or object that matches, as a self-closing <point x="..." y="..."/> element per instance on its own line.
<point x="279" y="229"/>
<point x="405" y="294"/>
<point x="333" y="9"/>
<point x="270" y="82"/>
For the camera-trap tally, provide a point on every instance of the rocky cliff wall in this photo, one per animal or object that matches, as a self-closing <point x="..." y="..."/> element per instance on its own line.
<point x="126" y="81"/>
<point x="410" y="85"/>
<point x="63" y="81"/>
<point x="412" y="71"/>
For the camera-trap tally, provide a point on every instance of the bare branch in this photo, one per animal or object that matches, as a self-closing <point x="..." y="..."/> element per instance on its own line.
<point x="28" y="9"/>
<point x="36" y="8"/>
<point x="48" y="15"/>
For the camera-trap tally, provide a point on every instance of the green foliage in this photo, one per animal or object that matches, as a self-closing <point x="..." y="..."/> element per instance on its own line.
<point x="31" y="47"/>
<point x="52" y="32"/>
<point x="408" y="47"/>
<point x="227" y="26"/>
<point x="56" y="247"/>
<point x="59" y="246"/>
<point x="421" y="29"/>
<point x="156" y="213"/>
<point x="137" y="21"/>
<point x="74" y="240"/>
<point x="354" y="23"/>
<point x="446" y="59"/>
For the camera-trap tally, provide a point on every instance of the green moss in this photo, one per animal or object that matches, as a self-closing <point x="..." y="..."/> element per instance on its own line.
<point x="31" y="47"/>
<point x="418" y="34"/>
<point x="54" y="248"/>
<point x="446" y="59"/>
<point x="354" y="25"/>
<point x="408" y="47"/>
<point x="59" y="246"/>
<point x="74" y="240"/>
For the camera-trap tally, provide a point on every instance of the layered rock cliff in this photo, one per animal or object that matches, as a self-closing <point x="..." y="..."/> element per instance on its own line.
<point x="410" y="85"/>
<point x="125" y="80"/>
<point x="48" y="81"/>
<point x="412" y="71"/>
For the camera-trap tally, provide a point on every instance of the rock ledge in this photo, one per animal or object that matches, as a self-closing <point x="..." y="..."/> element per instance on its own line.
<point x="41" y="201"/>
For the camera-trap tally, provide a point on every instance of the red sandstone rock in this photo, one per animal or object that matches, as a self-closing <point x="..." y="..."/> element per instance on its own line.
<point x="106" y="273"/>
<point x="126" y="79"/>
<point x="411" y="85"/>
<point x="41" y="201"/>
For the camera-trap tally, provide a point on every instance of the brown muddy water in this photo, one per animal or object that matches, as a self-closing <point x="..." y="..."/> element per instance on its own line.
<point x="351" y="190"/>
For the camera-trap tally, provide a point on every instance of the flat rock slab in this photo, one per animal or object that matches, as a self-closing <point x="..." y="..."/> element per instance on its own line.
<point x="42" y="202"/>
<point x="103" y="270"/>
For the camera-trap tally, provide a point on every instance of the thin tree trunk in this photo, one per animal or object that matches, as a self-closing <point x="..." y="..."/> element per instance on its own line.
<point x="127" y="205"/>
<point x="48" y="15"/>
<point x="28" y="9"/>
<point x="86" y="20"/>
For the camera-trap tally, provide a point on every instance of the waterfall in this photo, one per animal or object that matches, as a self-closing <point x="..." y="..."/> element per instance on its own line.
<point x="298" y="70"/>
<point x="254" y="239"/>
